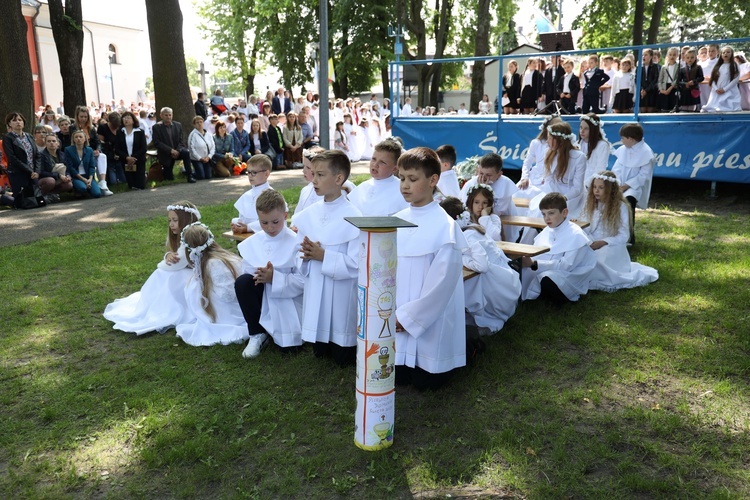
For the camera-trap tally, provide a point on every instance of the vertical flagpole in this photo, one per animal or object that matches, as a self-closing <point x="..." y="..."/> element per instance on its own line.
<point x="323" y="129"/>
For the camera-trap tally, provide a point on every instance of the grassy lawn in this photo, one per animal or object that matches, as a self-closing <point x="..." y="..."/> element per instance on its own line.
<point x="638" y="394"/>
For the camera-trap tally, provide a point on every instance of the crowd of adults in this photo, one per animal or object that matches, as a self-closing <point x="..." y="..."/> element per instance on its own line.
<point x="97" y="147"/>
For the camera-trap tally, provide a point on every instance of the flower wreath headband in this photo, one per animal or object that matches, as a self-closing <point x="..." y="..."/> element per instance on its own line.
<point x="606" y="178"/>
<point x="189" y="210"/>
<point x="196" y="253"/>
<point x="571" y="137"/>
<point x="477" y="186"/>
<point x="546" y="121"/>
<point x="464" y="220"/>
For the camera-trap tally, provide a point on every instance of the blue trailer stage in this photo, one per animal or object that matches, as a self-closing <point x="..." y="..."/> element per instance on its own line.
<point x="700" y="146"/>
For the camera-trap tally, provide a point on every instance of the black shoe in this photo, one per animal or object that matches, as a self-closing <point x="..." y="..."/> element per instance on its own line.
<point x="191" y="179"/>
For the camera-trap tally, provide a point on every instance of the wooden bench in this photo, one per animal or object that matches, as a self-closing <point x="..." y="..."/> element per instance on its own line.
<point x="521" y="202"/>
<point x="535" y="222"/>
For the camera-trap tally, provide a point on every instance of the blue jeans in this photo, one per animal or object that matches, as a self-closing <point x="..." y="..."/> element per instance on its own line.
<point x="80" y="187"/>
<point x="201" y="170"/>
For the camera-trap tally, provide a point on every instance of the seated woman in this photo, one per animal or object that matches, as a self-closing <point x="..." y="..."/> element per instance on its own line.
<point x="82" y="165"/>
<point x="53" y="178"/>
<point x="259" y="143"/>
<point x="223" y="151"/>
<point x="23" y="163"/>
<point x="202" y="149"/>
<point x="130" y="148"/>
<point x="292" y="140"/>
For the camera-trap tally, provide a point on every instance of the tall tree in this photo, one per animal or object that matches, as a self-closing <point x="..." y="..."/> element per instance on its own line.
<point x="168" y="59"/>
<point x="16" y="86"/>
<point x="67" y="30"/>
<point x="481" y="48"/>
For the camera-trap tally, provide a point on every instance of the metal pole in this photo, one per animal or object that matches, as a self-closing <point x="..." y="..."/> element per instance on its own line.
<point x="323" y="130"/>
<point x="559" y="15"/>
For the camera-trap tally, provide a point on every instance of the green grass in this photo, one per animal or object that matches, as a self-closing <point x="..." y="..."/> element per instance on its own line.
<point x="638" y="394"/>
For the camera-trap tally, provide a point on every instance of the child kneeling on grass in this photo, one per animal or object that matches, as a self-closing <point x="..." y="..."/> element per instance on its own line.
<point x="430" y="323"/>
<point x="270" y="290"/>
<point x="562" y="274"/>
<point x="330" y="258"/>
<point x="210" y="292"/>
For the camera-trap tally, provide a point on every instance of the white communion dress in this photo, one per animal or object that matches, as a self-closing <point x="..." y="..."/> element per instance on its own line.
<point x="229" y="327"/>
<point x="160" y="303"/>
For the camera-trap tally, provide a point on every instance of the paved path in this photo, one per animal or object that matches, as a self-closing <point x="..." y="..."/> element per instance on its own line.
<point x="24" y="226"/>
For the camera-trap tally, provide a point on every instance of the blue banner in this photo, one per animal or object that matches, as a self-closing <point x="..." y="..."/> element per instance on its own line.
<point x="687" y="146"/>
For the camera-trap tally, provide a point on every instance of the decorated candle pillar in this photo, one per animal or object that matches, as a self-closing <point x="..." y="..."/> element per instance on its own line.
<point x="376" y="331"/>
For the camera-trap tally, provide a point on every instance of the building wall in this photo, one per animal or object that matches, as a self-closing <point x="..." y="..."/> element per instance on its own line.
<point x="129" y="75"/>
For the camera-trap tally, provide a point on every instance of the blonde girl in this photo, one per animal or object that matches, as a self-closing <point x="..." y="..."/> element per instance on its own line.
<point x="210" y="292"/>
<point x="610" y="219"/>
<point x="160" y="304"/>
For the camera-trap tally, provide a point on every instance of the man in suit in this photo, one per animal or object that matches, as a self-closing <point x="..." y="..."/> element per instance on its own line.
<point x="200" y="107"/>
<point x="552" y="76"/>
<point x="280" y="104"/>
<point x="167" y="137"/>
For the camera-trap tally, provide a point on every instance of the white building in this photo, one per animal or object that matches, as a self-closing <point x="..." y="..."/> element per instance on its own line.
<point x="116" y="54"/>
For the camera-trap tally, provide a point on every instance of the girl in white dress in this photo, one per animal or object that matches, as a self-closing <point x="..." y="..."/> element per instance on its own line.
<point x="340" y="141"/>
<point x="479" y="200"/>
<point x="725" y="93"/>
<point x="365" y="144"/>
<point x="160" y="304"/>
<point x="210" y="292"/>
<point x="532" y="172"/>
<point x="491" y="297"/>
<point x="351" y="138"/>
<point x="609" y="214"/>
<point x="594" y="145"/>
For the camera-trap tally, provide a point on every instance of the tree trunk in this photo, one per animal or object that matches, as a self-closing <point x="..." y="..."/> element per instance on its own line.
<point x="16" y="86"/>
<point x="638" y="18"/>
<point x="435" y="86"/>
<point x="481" y="48"/>
<point x="250" y="77"/>
<point x="67" y="30"/>
<point x="653" y="27"/>
<point x="385" y="79"/>
<point x="168" y="60"/>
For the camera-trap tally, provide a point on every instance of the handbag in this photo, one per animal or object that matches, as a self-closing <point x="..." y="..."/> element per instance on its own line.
<point x="695" y="92"/>
<point x="156" y="172"/>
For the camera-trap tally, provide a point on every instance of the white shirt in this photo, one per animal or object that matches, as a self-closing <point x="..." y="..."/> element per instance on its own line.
<point x="378" y="197"/>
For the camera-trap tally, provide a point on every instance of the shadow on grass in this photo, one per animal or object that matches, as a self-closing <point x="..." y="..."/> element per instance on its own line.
<point x="641" y="393"/>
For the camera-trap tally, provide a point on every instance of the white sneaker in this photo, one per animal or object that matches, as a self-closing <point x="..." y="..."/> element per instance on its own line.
<point x="255" y="345"/>
<point x="104" y="188"/>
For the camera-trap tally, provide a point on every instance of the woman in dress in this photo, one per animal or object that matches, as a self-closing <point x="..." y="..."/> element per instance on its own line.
<point x="292" y="135"/>
<point x="511" y="89"/>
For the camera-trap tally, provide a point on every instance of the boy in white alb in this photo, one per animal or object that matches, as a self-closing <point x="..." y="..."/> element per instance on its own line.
<point x="270" y="289"/>
<point x="448" y="183"/>
<point x="430" y="321"/>
<point x="258" y="171"/>
<point x="634" y="167"/>
<point x="380" y="196"/>
<point x="490" y="172"/>
<point x="328" y="245"/>
<point x="562" y="274"/>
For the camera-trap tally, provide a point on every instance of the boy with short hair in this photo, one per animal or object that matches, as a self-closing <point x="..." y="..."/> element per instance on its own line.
<point x="330" y="257"/>
<point x="634" y="167"/>
<point x="448" y="183"/>
<point x="430" y="322"/>
<point x="568" y="87"/>
<point x="270" y="289"/>
<point x="594" y="77"/>
<point x="380" y="195"/>
<point x="562" y="274"/>
<point x="258" y="171"/>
